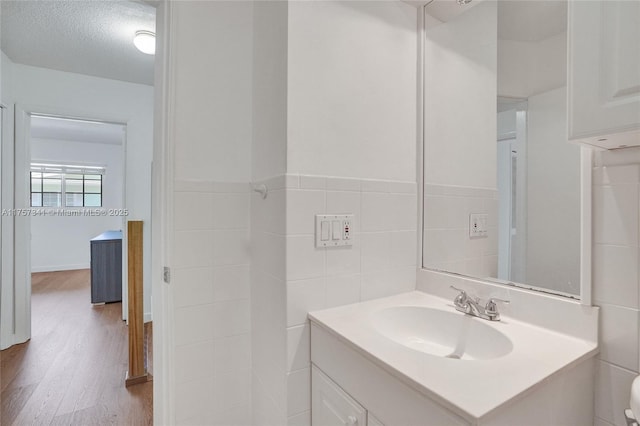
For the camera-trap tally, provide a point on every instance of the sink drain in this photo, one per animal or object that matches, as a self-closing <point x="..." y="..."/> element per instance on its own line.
<point x="453" y="356"/>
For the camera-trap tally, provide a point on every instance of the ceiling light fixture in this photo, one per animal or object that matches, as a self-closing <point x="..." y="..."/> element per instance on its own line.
<point x="145" y="41"/>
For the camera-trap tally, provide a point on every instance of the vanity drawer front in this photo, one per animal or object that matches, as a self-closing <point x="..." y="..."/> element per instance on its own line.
<point x="331" y="406"/>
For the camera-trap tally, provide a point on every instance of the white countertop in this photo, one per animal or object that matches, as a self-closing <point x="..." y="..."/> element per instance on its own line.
<point x="472" y="388"/>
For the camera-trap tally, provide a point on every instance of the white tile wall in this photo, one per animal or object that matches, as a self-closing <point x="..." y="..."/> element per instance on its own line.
<point x="304" y="296"/>
<point x="193" y="400"/>
<point x="197" y="286"/>
<point x="616" y="218"/>
<point x="298" y="352"/>
<point x="304" y="261"/>
<point x="193" y="358"/>
<point x="619" y="336"/>
<point x="446" y="227"/>
<point x="265" y="409"/>
<point x="384" y="237"/>
<point x="302" y="419"/>
<point x="612" y="392"/>
<point x="232" y="283"/>
<point x="290" y="277"/>
<point x="599" y="422"/>
<point x="232" y="353"/>
<point x="298" y="391"/>
<point x="343" y="289"/>
<point x="268" y="306"/>
<point x="617" y="266"/>
<point x="212" y="303"/>
<point x="381" y="262"/>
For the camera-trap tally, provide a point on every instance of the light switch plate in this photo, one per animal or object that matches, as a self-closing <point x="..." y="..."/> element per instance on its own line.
<point x="334" y="230"/>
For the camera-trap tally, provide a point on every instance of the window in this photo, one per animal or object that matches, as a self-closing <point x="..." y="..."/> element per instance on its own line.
<point x="66" y="186"/>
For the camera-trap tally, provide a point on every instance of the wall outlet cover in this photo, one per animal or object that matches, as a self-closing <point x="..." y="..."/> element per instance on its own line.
<point x="333" y="230"/>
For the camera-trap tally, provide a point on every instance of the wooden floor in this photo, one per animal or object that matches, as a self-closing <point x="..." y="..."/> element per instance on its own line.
<point x="72" y="370"/>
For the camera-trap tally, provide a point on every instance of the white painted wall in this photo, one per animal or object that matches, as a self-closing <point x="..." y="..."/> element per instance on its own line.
<point x="352" y="89"/>
<point x="506" y="124"/>
<point x="213" y="90"/>
<point x="62" y="242"/>
<point x="553" y="196"/>
<point x="530" y="68"/>
<point x="269" y="139"/>
<point x="55" y="92"/>
<point x="460" y="100"/>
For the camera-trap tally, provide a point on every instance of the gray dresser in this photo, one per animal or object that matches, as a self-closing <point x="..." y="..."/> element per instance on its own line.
<point x="106" y="267"/>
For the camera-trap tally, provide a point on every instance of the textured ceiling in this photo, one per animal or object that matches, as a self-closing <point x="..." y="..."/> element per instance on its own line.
<point x="93" y="37"/>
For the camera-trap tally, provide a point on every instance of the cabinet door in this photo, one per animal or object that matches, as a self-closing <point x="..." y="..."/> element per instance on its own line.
<point x="331" y="406"/>
<point x="604" y="72"/>
<point x="372" y="421"/>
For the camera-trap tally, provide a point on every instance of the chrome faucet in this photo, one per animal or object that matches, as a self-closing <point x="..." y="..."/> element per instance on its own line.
<point x="472" y="306"/>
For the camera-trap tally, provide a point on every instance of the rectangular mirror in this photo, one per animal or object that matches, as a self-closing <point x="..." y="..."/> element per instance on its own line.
<point x="502" y="189"/>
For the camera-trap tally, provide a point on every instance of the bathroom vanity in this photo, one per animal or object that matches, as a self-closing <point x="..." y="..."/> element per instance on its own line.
<point x="412" y="359"/>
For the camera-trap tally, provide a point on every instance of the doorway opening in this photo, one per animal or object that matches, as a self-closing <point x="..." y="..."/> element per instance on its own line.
<point x="94" y="79"/>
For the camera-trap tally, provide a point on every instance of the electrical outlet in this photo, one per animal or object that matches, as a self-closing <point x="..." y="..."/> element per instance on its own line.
<point x="346" y="229"/>
<point x="478" y="225"/>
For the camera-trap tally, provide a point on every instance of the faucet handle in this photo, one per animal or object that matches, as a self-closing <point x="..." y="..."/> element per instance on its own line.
<point x="461" y="299"/>
<point x="492" y="309"/>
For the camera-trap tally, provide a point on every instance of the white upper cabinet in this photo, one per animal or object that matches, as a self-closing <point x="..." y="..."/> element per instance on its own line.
<point x="604" y="72"/>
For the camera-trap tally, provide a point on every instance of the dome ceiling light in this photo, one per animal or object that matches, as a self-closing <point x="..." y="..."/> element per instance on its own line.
<point x="145" y="41"/>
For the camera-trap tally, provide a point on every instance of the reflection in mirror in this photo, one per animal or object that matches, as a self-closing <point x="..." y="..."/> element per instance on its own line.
<point x="501" y="191"/>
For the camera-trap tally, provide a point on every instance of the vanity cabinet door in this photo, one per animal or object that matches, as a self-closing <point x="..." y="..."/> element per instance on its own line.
<point x="604" y="72"/>
<point x="331" y="406"/>
<point x="372" y="421"/>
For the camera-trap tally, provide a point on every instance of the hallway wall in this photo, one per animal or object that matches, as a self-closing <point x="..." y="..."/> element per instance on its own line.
<point x="67" y="94"/>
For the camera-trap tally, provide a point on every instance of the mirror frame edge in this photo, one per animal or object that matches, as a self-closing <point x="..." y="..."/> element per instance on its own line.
<point x="586" y="187"/>
<point x="586" y="206"/>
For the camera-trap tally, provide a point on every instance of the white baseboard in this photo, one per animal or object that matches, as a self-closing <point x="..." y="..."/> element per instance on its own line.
<point x="148" y="317"/>
<point x="60" y="267"/>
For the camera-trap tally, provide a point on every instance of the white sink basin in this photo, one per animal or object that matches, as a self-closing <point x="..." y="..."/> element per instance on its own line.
<point x="414" y="336"/>
<point x="440" y="333"/>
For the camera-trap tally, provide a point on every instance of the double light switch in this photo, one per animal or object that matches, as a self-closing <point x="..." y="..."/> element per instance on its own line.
<point x="333" y="230"/>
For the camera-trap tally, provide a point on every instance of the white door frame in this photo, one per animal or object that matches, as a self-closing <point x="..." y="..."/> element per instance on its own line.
<point x="21" y="227"/>
<point x="162" y="219"/>
<point x="7" y="290"/>
<point x="21" y="291"/>
<point x="7" y="322"/>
